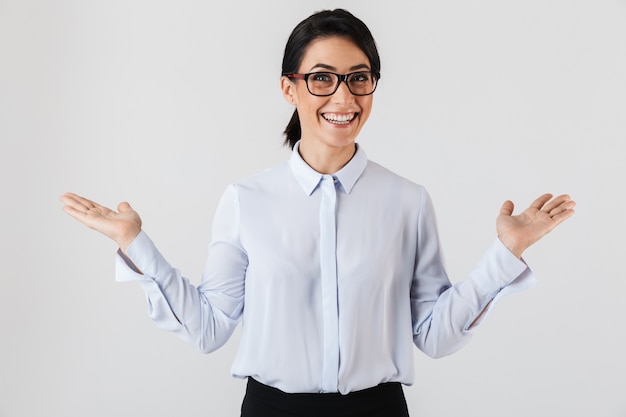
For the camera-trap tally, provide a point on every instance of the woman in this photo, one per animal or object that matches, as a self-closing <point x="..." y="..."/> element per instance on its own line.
<point x="332" y="262"/>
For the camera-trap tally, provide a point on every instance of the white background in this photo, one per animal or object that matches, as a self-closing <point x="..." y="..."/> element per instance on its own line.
<point x="164" y="103"/>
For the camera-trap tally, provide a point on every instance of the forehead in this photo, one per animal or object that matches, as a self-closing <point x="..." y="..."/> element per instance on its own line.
<point x="336" y="52"/>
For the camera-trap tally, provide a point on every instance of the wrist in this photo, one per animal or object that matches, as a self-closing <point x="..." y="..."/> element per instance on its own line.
<point x="514" y="247"/>
<point x="125" y="241"/>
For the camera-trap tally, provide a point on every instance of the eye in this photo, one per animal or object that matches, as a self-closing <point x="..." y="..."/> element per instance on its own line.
<point x="360" y="77"/>
<point x="321" y="77"/>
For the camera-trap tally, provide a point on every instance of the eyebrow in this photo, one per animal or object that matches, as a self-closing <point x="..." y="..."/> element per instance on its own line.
<point x="331" y="68"/>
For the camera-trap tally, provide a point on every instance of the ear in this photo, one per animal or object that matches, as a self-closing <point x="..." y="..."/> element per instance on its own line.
<point x="289" y="90"/>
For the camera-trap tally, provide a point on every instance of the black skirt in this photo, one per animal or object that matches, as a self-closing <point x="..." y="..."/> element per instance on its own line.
<point x="384" y="400"/>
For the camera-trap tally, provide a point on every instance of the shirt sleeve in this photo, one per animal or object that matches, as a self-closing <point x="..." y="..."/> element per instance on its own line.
<point x="442" y="313"/>
<point x="206" y="315"/>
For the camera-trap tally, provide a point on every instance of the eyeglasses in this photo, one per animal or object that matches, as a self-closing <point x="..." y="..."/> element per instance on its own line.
<point x="322" y="84"/>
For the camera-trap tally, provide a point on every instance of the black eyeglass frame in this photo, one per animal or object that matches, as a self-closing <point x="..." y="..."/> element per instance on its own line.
<point x="340" y="78"/>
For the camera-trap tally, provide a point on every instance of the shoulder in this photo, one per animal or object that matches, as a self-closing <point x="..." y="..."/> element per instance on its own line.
<point x="264" y="180"/>
<point x="380" y="176"/>
<point x="385" y="191"/>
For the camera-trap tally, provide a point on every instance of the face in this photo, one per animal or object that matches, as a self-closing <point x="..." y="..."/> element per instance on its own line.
<point x="333" y="121"/>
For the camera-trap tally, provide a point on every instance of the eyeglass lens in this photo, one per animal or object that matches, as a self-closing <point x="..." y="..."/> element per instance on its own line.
<point x="326" y="83"/>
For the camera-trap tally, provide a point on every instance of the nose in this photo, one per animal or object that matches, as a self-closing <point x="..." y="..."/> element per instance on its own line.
<point x="343" y="93"/>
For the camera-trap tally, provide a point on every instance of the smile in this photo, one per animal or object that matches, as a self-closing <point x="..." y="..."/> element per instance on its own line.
<point x="339" y="119"/>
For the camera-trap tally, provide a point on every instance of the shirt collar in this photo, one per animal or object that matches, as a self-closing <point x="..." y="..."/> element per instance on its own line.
<point x="347" y="176"/>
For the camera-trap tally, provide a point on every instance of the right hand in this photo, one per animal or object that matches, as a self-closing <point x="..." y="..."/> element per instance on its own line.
<point x="122" y="225"/>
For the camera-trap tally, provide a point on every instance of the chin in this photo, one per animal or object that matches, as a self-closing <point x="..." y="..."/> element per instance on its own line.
<point x="340" y="141"/>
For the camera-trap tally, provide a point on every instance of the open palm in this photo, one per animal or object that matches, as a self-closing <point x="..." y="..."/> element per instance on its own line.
<point x="122" y="225"/>
<point x="520" y="231"/>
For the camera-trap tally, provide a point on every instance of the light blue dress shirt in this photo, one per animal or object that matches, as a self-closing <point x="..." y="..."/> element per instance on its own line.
<point x="334" y="278"/>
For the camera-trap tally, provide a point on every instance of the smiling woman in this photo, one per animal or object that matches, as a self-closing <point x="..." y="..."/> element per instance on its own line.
<point x="331" y="262"/>
<point x="329" y="113"/>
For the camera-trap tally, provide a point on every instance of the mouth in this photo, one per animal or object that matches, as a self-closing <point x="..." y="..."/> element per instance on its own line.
<point x="339" y="119"/>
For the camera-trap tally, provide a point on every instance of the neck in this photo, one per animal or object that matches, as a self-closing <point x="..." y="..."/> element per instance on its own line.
<point x="328" y="160"/>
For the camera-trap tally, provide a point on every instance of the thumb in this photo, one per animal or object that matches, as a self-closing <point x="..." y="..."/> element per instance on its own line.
<point x="124" y="207"/>
<point x="507" y="208"/>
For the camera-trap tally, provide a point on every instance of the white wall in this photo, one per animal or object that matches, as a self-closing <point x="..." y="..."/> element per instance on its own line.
<point x="164" y="103"/>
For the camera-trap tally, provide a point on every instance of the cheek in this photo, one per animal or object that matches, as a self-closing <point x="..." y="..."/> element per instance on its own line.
<point x="300" y="96"/>
<point x="366" y="106"/>
<point x="310" y="104"/>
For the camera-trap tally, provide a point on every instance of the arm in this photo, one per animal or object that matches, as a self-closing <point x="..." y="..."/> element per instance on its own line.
<point x="537" y="219"/>
<point x="444" y="316"/>
<point x="204" y="316"/>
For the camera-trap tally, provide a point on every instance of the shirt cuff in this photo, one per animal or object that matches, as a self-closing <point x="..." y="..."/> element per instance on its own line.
<point x="505" y="273"/>
<point x="142" y="261"/>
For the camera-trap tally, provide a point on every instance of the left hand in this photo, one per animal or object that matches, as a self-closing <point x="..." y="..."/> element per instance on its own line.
<point x="519" y="232"/>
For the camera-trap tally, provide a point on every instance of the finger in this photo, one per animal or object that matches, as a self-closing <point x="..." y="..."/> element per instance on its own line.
<point x="562" y="216"/>
<point x="71" y="201"/>
<point x="124" y="207"/>
<point x="541" y="201"/>
<point x="556" y="203"/>
<point x="78" y="202"/>
<point x="80" y="215"/>
<point x="564" y="206"/>
<point x="507" y="208"/>
<point x="67" y="197"/>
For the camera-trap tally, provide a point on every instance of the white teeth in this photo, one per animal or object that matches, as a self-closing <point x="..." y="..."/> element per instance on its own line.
<point x="339" y="118"/>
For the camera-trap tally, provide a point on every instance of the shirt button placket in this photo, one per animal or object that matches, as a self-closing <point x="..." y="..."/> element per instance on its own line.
<point x="328" y="264"/>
